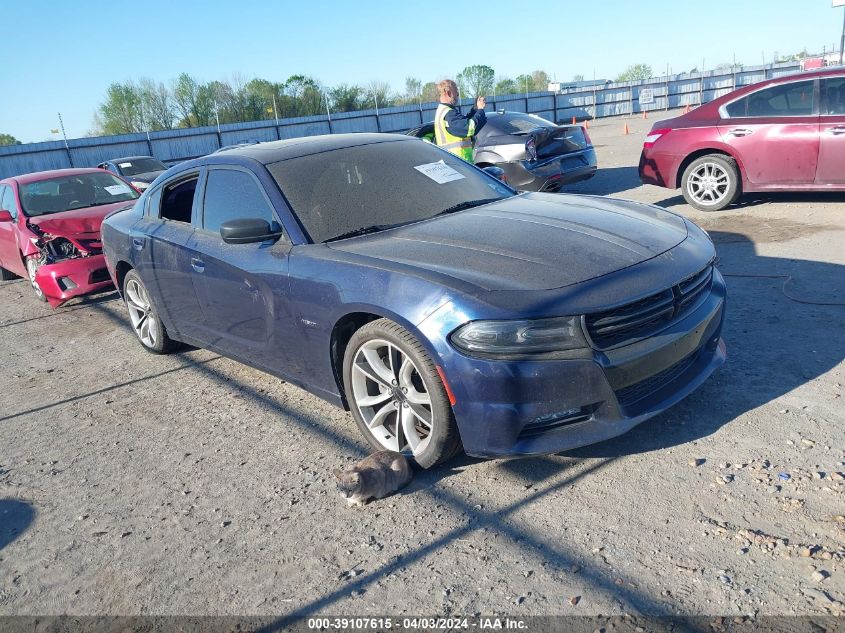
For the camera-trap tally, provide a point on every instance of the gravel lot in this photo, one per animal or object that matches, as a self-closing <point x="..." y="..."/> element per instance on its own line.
<point x="190" y="484"/>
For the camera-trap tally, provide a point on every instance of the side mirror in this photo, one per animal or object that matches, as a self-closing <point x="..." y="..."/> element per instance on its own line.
<point x="247" y="231"/>
<point x="6" y="216"/>
<point x="497" y="172"/>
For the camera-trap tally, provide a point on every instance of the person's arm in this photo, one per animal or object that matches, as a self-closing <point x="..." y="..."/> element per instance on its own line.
<point x="460" y="125"/>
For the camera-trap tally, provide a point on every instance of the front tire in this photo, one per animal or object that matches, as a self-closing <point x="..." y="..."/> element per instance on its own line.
<point x="32" y="264"/>
<point x="396" y="396"/>
<point x="145" y="320"/>
<point x="711" y="182"/>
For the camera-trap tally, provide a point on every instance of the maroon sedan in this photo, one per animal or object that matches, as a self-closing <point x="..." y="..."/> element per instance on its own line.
<point x="50" y="229"/>
<point x="784" y="134"/>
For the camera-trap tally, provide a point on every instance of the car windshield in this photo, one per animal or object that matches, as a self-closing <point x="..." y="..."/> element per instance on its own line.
<point x="518" y="123"/>
<point x="139" y="166"/>
<point x="55" y="195"/>
<point x="363" y="189"/>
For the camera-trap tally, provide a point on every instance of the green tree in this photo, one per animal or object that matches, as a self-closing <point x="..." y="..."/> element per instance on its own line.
<point x="156" y="105"/>
<point x="346" y="98"/>
<point x="413" y="90"/>
<point x="378" y="94"/>
<point x="306" y="95"/>
<point x="506" y="86"/>
<point x="577" y="78"/>
<point x="8" y="139"/>
<point x="540" y="81"/>
<point x="194" y="102"/>
<point x="429" y="92"/>
<point x="636" y="72"/>
<point x="121" y="112"/>
<point x="476" y="81"/>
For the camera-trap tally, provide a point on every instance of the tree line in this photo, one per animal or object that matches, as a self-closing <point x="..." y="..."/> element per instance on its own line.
<point x="148" y="105"/>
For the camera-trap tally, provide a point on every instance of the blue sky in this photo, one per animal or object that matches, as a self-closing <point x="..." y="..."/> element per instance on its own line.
<point x="61" y="56"/>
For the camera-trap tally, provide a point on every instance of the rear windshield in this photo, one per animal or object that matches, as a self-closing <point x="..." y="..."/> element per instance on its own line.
<point x="65" y="193"/>
<point x="379" y="185"/>
<point x="140" y="166"/>
<point x="518" y="123"/>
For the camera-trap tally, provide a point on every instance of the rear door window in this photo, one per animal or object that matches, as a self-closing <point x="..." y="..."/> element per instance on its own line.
<point x="177" y="199"/>
<point x="833" y="96"/>
<point x="792" y="99"/>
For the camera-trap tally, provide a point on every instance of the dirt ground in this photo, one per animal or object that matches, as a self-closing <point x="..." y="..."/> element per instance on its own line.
<point x="190" y="484"/>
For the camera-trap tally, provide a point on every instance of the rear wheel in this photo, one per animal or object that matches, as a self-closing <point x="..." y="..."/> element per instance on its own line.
<point x="145" y="321"/>
<point x="711" y="182"/>
<point x="396" y="395"/>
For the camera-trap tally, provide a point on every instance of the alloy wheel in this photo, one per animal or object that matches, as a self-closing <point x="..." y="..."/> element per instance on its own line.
<point x="708" y="184"/>
<point x="140" y="312"/>
<point x="390" y="395"/>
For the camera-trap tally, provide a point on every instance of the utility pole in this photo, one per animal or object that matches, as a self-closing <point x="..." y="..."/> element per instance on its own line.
<point x="67" y="147"/>
<point x="842" y="39"/>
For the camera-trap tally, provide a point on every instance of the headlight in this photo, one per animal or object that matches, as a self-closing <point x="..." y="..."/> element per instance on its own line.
<point x="140" y="185"/>
<point x="506" y="339"/>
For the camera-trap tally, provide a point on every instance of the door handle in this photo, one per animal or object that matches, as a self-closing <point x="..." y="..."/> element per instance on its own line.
<point x="836" y="131"/>
<point x="137" y="243"/>
<point x="741" y="132"/>
<point x="197" y="264"/>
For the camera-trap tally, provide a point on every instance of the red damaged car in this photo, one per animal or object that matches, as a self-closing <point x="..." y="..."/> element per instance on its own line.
<point x="50" y="229"/>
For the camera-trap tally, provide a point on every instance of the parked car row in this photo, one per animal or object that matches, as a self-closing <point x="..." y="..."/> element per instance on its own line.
<point x="444" y="308"/>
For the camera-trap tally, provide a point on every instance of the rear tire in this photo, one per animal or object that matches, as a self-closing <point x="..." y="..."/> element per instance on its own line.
<point x="145" y="321"/>
<point x="396" y="396"/>
<point x="711" y="182"/>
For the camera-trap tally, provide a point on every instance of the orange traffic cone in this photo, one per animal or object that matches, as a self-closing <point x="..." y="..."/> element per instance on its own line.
<point x="626" y="129"/>
<point x="687" y="109"/>
<point x="586" y="124"/>
<point x="573" y="120"/>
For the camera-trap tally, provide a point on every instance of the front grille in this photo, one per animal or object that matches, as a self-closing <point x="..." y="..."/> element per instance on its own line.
<point x="634" y="393"/>
<point x="641" y="319"/>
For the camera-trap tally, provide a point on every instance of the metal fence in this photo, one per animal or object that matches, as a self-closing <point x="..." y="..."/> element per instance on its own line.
<point x="172" y="146"/>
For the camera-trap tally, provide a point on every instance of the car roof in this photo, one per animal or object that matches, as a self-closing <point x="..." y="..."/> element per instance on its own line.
<point x="36" y="176"/>
<point x="275" y="151"/>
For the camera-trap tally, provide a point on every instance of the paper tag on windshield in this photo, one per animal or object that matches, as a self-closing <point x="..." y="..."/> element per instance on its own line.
<point x="116" y="190"/>
<point x="124" y="165"/>
<point x="439" y="172"/>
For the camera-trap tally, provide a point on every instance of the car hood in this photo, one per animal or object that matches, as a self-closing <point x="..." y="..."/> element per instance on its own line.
<point x="529" y="242"/>
<point x="76" y="222"/>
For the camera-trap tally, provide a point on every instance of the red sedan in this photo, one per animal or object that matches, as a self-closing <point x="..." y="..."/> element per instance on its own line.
<point x="50" y="229"/>
<point x="784" y="134"/>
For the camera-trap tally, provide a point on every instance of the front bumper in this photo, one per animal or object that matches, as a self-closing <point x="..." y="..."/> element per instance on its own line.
<point x="550" y="174"/>
<point x="71" y="278"/>
<point x="538" y="407"/>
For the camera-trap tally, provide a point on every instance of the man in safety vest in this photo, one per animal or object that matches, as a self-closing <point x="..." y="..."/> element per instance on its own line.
<point x="452" y="130"/>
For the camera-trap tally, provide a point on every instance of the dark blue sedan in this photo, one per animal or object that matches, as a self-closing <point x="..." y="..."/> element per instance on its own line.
<point x="438" y="305"/>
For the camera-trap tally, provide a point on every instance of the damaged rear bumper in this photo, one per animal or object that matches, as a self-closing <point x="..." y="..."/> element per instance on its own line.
<point x="71" y="278"/>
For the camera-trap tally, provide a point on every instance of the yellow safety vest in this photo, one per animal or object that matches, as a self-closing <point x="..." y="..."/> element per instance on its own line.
<point x="461" y="146"/>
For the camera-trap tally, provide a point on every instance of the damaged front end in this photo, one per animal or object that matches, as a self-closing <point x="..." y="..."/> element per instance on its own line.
<point x="62" y="267"/>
